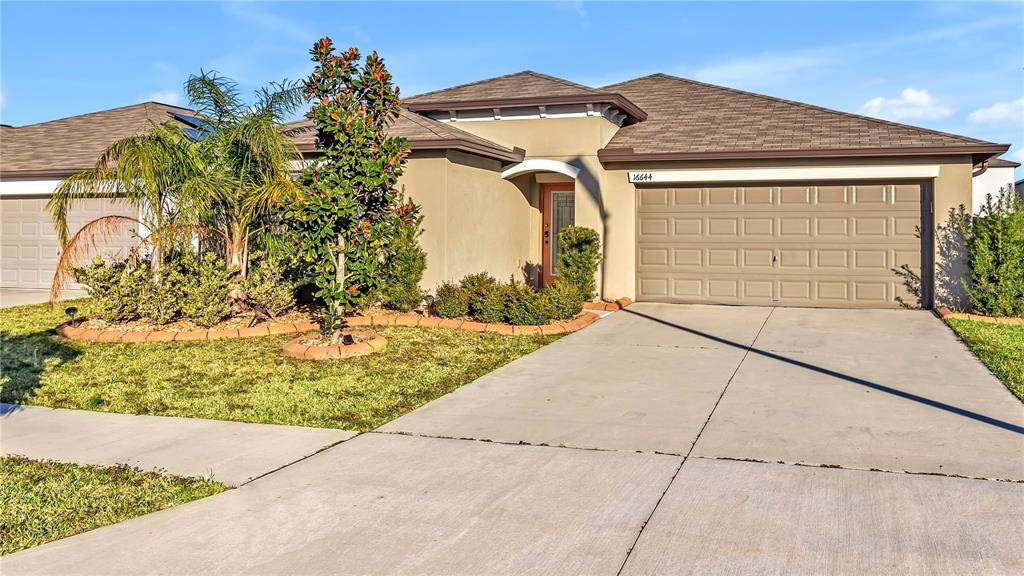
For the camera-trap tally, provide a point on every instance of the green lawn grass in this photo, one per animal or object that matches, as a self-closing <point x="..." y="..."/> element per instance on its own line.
<point x="247" y="379"/>
<point x="44" y="501"/>
<point x="999" y="346"/>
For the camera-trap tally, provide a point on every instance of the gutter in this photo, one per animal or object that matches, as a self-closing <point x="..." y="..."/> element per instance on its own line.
<point x="978" y="152"/>
<point x="980" y="171"/>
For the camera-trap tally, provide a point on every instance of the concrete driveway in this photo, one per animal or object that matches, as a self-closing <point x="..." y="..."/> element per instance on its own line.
<point x="20" y="296"/>
<point x="663" y="439"/>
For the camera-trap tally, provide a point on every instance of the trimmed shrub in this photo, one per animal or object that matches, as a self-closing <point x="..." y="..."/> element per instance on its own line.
<point x="267" y="286"/>
<point x="523" y="305"/>
<point x="115" y="288"/>
<point x="488" y="304"/>
<point x="161" y="297"/>
<point x="404" y="271"/>
<point x="995" y="250"/>
<point x="205" y="298"/>
<point x="579" y="256"/>
<point x="486" y="299"/>
<point x="562" y="300"/>
<point x="451" y="301"/>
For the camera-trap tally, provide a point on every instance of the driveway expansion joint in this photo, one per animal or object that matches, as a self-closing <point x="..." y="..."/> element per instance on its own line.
<point x="522" y="443"/>
<point x="693" y="444"/>
<point x="856" y="468"/>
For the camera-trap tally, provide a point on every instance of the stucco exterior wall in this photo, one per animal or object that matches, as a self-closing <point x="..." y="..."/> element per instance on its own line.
<point x="574" y="141"/>
<point x="472" y="219"/>
<point x="990" y="183"/>
<point x="489" y="220"/>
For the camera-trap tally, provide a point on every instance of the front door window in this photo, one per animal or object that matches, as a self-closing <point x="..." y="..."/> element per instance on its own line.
<point x="563" y="214"/>
<point x="558" y="206"/>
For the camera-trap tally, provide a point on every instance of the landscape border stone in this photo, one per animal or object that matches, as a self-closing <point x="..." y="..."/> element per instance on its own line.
<point x="296" y="349"/>
<point x="946" y="314"/>
<point x="80" y="334"/>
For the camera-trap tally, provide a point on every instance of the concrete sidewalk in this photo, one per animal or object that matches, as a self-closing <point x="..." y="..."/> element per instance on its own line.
<point x="230" y="452"/>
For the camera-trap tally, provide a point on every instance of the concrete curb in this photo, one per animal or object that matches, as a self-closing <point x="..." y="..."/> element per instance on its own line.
<point x="607" y="306"/>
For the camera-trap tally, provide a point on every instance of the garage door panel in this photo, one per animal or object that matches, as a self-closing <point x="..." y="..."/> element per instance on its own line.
<point x="834" y="245"/>
<point x="30" y="247"/>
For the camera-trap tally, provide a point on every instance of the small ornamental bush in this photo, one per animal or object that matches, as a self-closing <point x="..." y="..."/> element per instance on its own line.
<point x="405" y="267"/>
<point x="488" y="304"/>
<point x="579" y="257"/>
<point x="451" y="301"/>
<point x="523" y="305"/>
<point x="161" y="298"/>
<point x="205" y="299"/>
<point x="995" y="250"/>
<point x="266" y="285"/>
<point x="486" y="298"/>
<point x="562" y="300"/>
<point x="115" y="288"/>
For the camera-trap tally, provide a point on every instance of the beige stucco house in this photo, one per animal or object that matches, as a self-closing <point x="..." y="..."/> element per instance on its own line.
<point x="700" y="193"/>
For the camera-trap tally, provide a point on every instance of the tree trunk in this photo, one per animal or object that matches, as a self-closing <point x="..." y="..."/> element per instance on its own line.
<point x="236" y="247"/>
<point x="339" y="278"/>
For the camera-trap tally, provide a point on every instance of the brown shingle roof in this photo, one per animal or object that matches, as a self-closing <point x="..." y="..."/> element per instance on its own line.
<point x="520" y="84"/>
<point x="689" y="119"/>
<point x="68" y="145"/>
<point x="527" y="88"/>
<point x="1002" y="163"/>
<point x="422" y="133"/>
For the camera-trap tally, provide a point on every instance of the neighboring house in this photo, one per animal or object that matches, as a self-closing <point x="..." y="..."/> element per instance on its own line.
<point x="700" y="193"/>
<point x="990" y="178"/>
<point x="34" y="161"/>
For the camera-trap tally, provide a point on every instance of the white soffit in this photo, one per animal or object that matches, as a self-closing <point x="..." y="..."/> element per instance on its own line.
<point x="785" y="174"/>
<point x="540" y="165"/>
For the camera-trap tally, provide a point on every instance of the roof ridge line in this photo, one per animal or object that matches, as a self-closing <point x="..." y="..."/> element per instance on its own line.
<point x="473" y="83"/>
<point x="568" y="83"/>
<point x="965" y="139"/>
<point x="143" y="105"/>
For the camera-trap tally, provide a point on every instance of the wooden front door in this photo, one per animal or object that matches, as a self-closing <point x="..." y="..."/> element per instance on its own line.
<point x="558" y="210"/>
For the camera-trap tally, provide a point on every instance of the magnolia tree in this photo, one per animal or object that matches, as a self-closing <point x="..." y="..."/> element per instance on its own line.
<point x="347" y="212"/>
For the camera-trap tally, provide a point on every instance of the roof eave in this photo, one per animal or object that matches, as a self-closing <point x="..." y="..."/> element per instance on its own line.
<point x="469" y="146"/>
<point x="979" y="153"/>
<point x="43" y="173"/>
<point x="616" y="99"/>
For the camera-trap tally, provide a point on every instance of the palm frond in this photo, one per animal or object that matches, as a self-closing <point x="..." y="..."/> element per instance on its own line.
<point x="84" y="243"/>
<point x="278" y="100"/>
<point x="214" y="96"/>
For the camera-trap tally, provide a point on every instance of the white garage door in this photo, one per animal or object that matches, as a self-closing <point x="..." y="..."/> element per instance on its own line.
<point x="29" y="248"/>
<point x="826" y="246"/>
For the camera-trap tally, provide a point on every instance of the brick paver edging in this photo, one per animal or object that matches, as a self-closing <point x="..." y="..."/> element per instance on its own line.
<point x="608" y="306"/>
<point x="296" y="349"/>
<point x="80" y="334"/>
<point x="112" y="336"/>
<point x="947" y="314"/>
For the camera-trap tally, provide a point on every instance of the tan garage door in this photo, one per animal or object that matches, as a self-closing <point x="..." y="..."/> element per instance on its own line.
<point x="826" y="246"/>
<point x="29" y="248"/>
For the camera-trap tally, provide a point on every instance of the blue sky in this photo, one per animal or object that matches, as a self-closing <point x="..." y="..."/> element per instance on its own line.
<point x="952" y="67"/>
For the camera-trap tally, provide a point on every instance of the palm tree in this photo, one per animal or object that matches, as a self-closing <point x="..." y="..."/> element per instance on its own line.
<point x="249" y="162"/>
<point x="224" y="176"/>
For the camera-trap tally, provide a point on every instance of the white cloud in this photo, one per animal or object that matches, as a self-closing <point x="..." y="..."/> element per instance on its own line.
<point x="1000" y="113"/>
<point x="1018" y="155"/>
<point x="166" y="97"/>
<point x="912" y="104"/>
<point x="760" y="69"/>
<point x="2" y="98"/>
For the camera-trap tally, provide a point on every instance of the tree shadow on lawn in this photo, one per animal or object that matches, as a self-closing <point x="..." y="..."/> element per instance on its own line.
<point x="24" y="358"/>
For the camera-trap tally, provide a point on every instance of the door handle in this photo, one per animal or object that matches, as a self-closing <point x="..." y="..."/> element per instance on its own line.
<point x="547" y="234"/>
